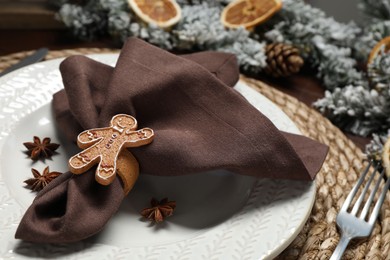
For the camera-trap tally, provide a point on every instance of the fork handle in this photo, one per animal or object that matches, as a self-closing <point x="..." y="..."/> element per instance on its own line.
<point x="342" y="245"/>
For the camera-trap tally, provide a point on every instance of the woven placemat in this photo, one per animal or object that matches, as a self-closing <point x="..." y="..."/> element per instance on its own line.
<point x="343" y="165"/>
<point x="341" y="169"/>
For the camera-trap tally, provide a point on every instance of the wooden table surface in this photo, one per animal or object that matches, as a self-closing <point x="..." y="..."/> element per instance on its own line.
<point x="302" y="86"/>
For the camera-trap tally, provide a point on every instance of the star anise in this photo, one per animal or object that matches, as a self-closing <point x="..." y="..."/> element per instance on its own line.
<point x="159" y="210"/>
<point x="37" y="148"/>
<point x="41" y="180"/>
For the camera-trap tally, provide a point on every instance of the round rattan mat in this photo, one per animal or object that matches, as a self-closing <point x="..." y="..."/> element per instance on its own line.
<point x="340" y="171"/>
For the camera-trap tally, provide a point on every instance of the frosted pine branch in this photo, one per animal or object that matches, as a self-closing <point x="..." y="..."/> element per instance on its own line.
<point x="201" y="29"/>
<point x="323" y="42"/>
<point x="357" y="109"/>
<point x="375" y="9"/>
<point x="375" y="148"/>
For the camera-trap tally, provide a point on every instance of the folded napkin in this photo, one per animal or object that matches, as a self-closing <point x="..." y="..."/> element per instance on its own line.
<point x="200" y="124"/>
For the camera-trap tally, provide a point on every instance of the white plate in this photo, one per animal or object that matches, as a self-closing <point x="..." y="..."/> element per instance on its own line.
<point x="219" y="215"/>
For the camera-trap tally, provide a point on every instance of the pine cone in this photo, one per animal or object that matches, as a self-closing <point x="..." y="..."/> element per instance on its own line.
<point x="282" y="60"/>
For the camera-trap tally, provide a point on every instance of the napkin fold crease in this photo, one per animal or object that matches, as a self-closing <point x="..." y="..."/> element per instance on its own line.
<point x="201" y="123"/>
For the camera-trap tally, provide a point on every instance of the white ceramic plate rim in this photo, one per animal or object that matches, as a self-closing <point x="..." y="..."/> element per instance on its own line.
<point x="260" y="230"/>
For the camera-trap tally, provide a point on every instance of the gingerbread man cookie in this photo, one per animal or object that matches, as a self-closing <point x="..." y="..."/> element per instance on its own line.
<point x="104" y="145"/>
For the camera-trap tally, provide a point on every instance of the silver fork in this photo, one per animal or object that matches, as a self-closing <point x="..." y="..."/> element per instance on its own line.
<point x="352" y="225"/>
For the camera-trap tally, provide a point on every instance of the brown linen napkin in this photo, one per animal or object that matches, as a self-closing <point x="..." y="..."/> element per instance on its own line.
<point x="90" y="74"/>
<point x="200" y="124"/>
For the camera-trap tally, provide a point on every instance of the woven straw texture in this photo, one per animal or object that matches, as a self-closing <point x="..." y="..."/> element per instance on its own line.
<point x="342" y="167"/>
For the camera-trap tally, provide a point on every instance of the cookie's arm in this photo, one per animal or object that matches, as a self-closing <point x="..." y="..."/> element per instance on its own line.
<point x="139" y="138"/>
<point x="84" y="160"/>
<point x="89" y="137"/>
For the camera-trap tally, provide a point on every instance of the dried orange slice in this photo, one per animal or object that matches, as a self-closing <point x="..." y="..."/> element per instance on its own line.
<point x="163" y="13"/>
<point x="249" y="13"/>
<point x="386" y="157"/>
<point x="377" y="48"/>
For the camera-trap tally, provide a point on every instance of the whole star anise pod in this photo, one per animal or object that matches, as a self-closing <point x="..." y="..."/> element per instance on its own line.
<point x="41" y="180"/>
<point x="159" y="210"/>
<point x="37" y="148"/>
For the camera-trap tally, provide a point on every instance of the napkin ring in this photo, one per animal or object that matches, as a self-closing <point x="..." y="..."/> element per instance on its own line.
<point x="106" y="147"/>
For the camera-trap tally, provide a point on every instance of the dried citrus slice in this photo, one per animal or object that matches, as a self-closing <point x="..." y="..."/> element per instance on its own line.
<point x="386" y="157"/>
<point x="249" y="13"/>
<point x="377" y="48"/>
<point x="163" y="13"/>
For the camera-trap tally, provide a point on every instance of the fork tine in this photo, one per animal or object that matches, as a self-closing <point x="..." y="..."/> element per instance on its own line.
<point x="364" y="212"/>
<point x="352" y="194"/>
<point x="361" y="197"/>
<point x="379" y="203"/>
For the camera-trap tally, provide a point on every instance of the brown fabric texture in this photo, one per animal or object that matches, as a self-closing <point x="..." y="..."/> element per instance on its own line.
<point x="200" y="124"/>
<point x="93" y="75"/>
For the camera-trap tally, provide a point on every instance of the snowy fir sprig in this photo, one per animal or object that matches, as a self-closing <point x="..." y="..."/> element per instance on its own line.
<point x="199" y="29"/>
